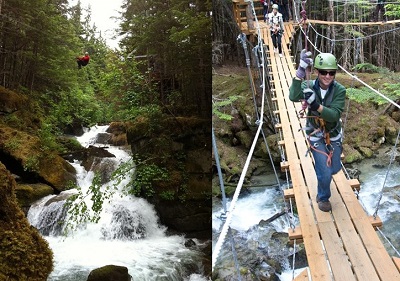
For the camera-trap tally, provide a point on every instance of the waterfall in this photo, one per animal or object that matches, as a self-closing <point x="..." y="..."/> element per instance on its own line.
<point x="127" y="234"/>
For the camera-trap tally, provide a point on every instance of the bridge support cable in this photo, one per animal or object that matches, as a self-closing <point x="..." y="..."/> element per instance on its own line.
<point x="235" y="197"/>
<point x="226" y="225"/>
<point x="392" y="158"/>
<point x="221" y="181"/>
<point x="388" y="241"/>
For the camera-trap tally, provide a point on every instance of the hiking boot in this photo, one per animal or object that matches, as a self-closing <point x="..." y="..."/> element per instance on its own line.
<point x="324" y="206"/>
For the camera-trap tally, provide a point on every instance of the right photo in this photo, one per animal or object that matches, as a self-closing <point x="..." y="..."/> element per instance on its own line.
<point x="305" y="140"/>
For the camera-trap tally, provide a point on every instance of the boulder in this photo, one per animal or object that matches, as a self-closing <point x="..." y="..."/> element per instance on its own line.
<point x="24" y="254"/>
<point x="181" y="148"/>
<point x="118" y="134"/>
<point x="23" y="155"/>
<point x="110" y="273"/>
<point x="29" y="193"/>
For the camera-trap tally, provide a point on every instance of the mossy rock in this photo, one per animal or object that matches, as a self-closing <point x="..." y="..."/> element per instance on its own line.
<point x="366" y="152"/>
<point x="24" y="156"/>
<point x="24" y="254"/>
<point x="110" y="273"/>
<point x="29" y="193"/>
<point x="350" y="154"/>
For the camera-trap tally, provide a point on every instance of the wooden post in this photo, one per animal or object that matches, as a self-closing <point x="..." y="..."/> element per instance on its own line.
<point x="249" y="16"/>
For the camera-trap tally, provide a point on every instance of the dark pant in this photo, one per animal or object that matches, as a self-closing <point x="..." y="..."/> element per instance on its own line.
<point x="81" y="63"/>
<point x="323" y="171"/>
<point x="277" y="41"/>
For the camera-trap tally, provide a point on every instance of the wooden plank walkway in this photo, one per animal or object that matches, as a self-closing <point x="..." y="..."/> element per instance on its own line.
<point x="340" y="245"/>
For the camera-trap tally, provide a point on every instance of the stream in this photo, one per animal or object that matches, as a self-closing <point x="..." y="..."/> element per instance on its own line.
<point x="257" y="243"/>
<point x="128" y="233"/>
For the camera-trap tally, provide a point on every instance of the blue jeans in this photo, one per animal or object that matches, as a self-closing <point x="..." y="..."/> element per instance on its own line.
<point x="323" y="171"/>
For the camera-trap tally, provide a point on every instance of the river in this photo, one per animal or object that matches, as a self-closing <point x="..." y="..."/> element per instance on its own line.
<point x="128" y="234"/>
<point x="253" y="240"/>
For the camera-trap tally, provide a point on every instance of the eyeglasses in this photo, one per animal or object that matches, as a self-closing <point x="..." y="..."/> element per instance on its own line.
<point x="324" y="72"/>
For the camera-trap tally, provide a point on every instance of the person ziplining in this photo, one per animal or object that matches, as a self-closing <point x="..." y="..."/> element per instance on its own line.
<point x="83" y="60"/>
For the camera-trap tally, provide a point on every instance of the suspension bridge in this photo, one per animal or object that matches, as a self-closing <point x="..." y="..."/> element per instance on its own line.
<point x="342" y="244"/>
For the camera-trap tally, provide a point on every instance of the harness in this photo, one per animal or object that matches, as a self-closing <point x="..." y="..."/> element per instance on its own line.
<point x="320" y="128"/>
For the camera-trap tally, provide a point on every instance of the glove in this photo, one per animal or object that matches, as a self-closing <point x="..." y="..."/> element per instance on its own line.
<point x="305" y="61"/>
<point x="309" y="97"/>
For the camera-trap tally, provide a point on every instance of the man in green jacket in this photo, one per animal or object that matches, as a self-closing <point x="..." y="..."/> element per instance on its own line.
<point x="325" y="100"/>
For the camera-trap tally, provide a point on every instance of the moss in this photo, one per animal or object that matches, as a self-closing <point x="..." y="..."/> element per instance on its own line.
<point x="110" y="272"/>
<point x="351" y="155"/>
<point x="24" y="254"/>
<point x="29" y="193"/>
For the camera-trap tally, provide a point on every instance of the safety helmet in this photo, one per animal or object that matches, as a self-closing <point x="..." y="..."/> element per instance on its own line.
<point x="275" y="6"/>
<point x="86" y="53"/>
<point x="325" y="61"/>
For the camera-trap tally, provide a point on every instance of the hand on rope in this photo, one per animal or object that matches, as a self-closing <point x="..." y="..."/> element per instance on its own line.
<point x="309" y="97"/>
<point x="305" y="61"/>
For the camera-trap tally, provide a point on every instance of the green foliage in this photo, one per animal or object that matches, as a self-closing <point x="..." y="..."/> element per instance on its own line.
<point x="79" y="211"/>
<point x="221" y="105"/>
<point x="144" y="176"/>
<point x="48" y="138"/>
<point x="168" y="195"/>
<point x="31" y="163"/>
<point x="392" y="10"/>
<point x="364" y="94"/>
<point x="13" y="144"/>
<point x="369" y="67"/>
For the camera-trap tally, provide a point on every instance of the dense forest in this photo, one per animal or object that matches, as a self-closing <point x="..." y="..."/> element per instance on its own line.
<point x="365" y="45"/>
<point x="39" y="41"/>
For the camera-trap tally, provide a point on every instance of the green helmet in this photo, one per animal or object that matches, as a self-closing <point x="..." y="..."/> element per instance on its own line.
<point x="325" y="61"/>
<point x="275" y="6"/>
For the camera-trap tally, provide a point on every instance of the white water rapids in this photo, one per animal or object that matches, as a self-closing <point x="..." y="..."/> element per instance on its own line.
<point x="148" y="253"/>
<point x="263" y="204"/>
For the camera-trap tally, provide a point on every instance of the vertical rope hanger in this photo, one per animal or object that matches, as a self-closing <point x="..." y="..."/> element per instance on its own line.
<point x="304" y="24"/>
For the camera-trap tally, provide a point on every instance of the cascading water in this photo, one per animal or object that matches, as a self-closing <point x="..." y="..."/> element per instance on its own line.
<point x="261" y="205"/>
<point x="127" y="234"/>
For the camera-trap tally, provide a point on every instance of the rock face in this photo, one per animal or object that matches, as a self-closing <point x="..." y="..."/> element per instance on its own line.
<point x="20" y="243"/>
<point x="110" y="273"/>
<point x="181" y="148"/>
<point x="21" y="153"/>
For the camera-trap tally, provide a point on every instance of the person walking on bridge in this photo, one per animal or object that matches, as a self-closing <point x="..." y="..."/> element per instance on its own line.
<point x="276" y="27"/>
<point x="325" y="101"/>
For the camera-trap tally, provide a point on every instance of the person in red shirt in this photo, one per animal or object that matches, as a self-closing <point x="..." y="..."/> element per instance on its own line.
<point x="83" y="61"/>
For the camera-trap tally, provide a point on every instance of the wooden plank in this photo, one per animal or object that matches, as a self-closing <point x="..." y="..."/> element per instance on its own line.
<point x="341" y="268"/>
<point x="396" y="261"/>
<point x="303" y="276"/>
<point x="361" y="263"/>
<point x="375" y="222"/>
<point x="288" y="193"/>
<point x="284" y="166"/>
<point x="319" y="268"/>
<point x="295" y="233"/>
<point x="338" y="259"/>
<point x="374" y="247"/>
<point x="354" y="184"/>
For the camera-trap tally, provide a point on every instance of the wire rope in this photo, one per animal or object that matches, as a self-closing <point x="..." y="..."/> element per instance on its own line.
<point x="392" y="158"/>
<point x="226" y="225"/>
